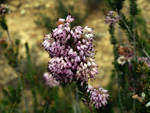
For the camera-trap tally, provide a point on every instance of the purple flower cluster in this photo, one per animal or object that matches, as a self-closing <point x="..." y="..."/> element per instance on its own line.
<point x="4" y="9"/>
<point x="50" y="80"/>
<point x="71" y="52"/>
<point x="99" y="96"/>
<point x="110" y="19"/>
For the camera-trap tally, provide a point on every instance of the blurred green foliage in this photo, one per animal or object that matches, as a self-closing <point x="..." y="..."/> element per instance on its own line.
<point x="92" y="4"/>
<point x="11" y="99"/>
<point x="43" y="98"/>
<point x="127" y="76"/>
<point x="62" y="11"/>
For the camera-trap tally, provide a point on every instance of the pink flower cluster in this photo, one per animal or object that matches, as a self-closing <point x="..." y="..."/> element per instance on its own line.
<point x="99" y="96"/>
<point x="71" y="52"/>
<point x="50" y="80"/>
<point x="4" y="9"/>
<point x="110" y="19"/>
<point x="145" y="60"/>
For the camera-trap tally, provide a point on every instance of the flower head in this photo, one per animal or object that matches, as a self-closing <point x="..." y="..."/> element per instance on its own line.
<point x="99" y="96"/>
<point x="125" y="52"/>
<point x="4" y="9"/>
<point x="121" y="60"/>
<point x="110" y="19"/>
<point x="71" y="52"/>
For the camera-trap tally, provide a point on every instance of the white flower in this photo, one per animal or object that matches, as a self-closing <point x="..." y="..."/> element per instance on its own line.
<point x="143" y="95"/>
<point x="121" y="60"/>
<point x="61" y="20"/>
<point x="148" y="104"/>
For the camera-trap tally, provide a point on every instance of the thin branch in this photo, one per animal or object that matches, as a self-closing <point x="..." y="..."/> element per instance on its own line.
<point x="47" y="102"/>
<point x="134" y="41"/>
<point x="118" y="84"/>
<point x="90" y="107"/>
<point x="88" y="103"/>
<point x="143" y="50"/>
<point x="13" y="107"/>
<point x="77" y="101"/>
<point x="9" y="38"/>
<point x="126" y="26"/>
<point x="85" y="96"/>
<point x="74" y="107"/>
<point x="18" y="73"/>
<point x="119" y="92"/>
<point x="133" y="36"/>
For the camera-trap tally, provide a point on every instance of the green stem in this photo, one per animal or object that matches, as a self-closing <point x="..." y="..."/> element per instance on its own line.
<point x="18" y="73"/>
<point x="143" y="50"/>
<point x="119" y="93"/>
<point x="126" y="26"/>
<point x="9" y="38"/>
<point x="26" y="105"/>
<point x="134" y="41"/>
<point x="74" y="107"/>
<point x="83" y="90"/>
<point x="13" y="107"/>
<point x="47" y="102"/>
<point x="77" y="101"/>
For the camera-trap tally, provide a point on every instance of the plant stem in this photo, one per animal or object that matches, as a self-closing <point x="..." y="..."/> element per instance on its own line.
<point x="133" y="36"/>
<point x="126" y="26"/>
<point x="13" y="107"/>
<point x="77" y="101"/>
<point x="19" y="111"/>
<point x="119" y="93"/>
<point x="83" y="91"/>
<point x="17" y="71"/>
<point x="118" y="84"/>
<point x="134" y="41"/>
<point x="9" y="38"/>
<point x="143" y="50"/>
<point x="47" y="103"/>
<point x="74" y="107"/>
<point x="90" y="108"/>
<point x="88" y="103"/>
